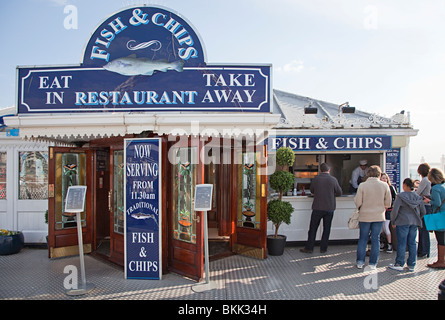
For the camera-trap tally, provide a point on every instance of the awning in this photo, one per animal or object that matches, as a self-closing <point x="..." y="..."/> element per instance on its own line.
<point x="74" y="127"/>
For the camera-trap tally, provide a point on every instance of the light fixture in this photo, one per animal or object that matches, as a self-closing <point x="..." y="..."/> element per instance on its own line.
<point x="345" y="108"/>
<point x="310" y="109"/>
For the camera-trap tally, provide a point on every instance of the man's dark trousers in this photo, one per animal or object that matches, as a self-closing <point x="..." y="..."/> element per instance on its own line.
<point x="316" y="217"/>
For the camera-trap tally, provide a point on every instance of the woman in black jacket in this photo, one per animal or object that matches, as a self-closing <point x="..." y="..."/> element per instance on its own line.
<point x="385" y="178"/>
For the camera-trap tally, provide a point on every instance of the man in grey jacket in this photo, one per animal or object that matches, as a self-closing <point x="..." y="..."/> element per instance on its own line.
<point x="325" y="188"/>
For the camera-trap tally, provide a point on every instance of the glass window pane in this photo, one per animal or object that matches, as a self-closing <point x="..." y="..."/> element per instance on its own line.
<point x="3" y="175"/>
<point x="118" y="191"/>
<point x="184" y="181"/>
<point x="70" y="171"/>
<point x="33" y="175"/>
<point x="249" y="191"/>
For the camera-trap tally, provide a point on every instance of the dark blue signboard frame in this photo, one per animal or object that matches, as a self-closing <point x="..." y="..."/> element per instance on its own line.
<point x="217" y="88"/>
<point x="143" y="223"/>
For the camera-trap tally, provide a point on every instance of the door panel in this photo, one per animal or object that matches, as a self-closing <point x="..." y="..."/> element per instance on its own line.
<point x="184" y="181"/>
<point x="116" y="207"/>
<point x="101" y="230"/>
<point x="224" y="200"/>
<point x="223" y="189"/>
<point x="186" y="170"/>
<point x="251" y="203"/>
<point x="67" y="167"/>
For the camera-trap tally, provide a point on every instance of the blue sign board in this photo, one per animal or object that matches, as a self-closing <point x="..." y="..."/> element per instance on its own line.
<point x="79" y="89"/>
<point x="144" y="58"/>
<point x="154" y="33"/>
<point x="143" y="249"/>
<point x="330" y="143"/>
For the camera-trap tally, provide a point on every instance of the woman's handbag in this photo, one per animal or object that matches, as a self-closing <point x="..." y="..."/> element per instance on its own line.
<point x="353" y="220"/>
<point x="435" y="221"/>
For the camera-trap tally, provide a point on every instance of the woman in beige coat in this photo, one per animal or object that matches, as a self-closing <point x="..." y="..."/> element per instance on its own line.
<point x="372" y="198"/>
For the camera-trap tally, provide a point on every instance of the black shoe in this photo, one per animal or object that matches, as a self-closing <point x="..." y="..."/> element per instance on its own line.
<point x="323" y="250"/>
<point x="305" y="250"/>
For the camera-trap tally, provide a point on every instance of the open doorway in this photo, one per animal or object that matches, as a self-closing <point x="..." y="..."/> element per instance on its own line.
<point x="218" y="218"/>
<point x="102" y="202"/>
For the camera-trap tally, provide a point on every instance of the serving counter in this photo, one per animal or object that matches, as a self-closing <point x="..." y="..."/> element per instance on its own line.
<point x="298" y="229"/>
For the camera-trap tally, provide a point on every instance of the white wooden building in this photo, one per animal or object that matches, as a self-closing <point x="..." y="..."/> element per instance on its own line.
<point x="23" y="183"/>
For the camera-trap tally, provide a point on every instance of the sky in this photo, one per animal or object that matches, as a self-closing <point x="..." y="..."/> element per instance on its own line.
<point x="381" y="56"/>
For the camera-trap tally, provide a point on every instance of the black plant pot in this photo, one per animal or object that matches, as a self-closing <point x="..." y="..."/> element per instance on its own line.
<point x="11" y="244"/>
<point x="275" y="246"/>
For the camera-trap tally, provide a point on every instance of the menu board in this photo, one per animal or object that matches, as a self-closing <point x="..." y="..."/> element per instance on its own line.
<point x="75" y="199"/>
<point x="203" y="197"/>
<point x="393" y="167"/>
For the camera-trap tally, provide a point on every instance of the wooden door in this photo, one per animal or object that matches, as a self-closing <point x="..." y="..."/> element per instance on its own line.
<point x="68" y="166"/>
<point x="101" y="217"/>
<point x="250" y="206"/>
<point x="185" y="225"/>
<point x="116" y="204"/>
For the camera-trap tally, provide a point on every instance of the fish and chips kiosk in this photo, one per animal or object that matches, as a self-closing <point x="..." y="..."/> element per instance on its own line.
<point x="341" y="136"/>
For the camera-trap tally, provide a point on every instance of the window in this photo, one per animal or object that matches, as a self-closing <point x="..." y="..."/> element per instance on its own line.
<point x="118" y="191"/>
<point x="184" y="182"/>
<point x="70" y="171"/>
<point x="3" y="175"/>
<point x="249" y="194"/>
<point x="33" y="175"/>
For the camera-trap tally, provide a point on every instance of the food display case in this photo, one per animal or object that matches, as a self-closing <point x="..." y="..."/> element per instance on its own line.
<point x="305" y="168"/>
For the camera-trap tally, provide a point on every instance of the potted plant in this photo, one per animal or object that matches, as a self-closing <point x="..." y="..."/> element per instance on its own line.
<point x="249" y="212"/>
<point x="11" y="241"/>
<point x="279" y="211"/>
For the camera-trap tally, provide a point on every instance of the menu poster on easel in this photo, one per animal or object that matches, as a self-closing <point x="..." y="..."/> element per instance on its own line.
<point x="75" y="199"/>
<point x="142" y="208"/>
<point x="203" y="197"/>
<point x="393" y="167"/>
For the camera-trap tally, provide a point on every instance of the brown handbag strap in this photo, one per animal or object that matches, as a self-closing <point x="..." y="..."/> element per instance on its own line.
<point x="437" y="210"/>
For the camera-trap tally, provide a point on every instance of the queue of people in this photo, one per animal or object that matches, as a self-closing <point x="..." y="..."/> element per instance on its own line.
<point x="379" y="208"/>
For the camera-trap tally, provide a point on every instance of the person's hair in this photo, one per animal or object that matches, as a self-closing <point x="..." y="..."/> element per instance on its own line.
<point x="374" y="171"/>
<point x="423" y="169"/>
<point x="388" y="180"/>
<point x="324" y="167"/>
<point x="409" y="183"/>
<point x="436" y="176"/>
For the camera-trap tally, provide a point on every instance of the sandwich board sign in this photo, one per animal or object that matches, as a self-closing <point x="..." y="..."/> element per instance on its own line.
<point x="203" y="202"/>
<point x="142" y="203"/>
<point x="74" y="205"/>
<point x="203" y="197"/>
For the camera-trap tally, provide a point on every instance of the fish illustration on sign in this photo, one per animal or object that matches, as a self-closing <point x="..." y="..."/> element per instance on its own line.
<point x="133" y="66"/>
<point x="143" y="216"/>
